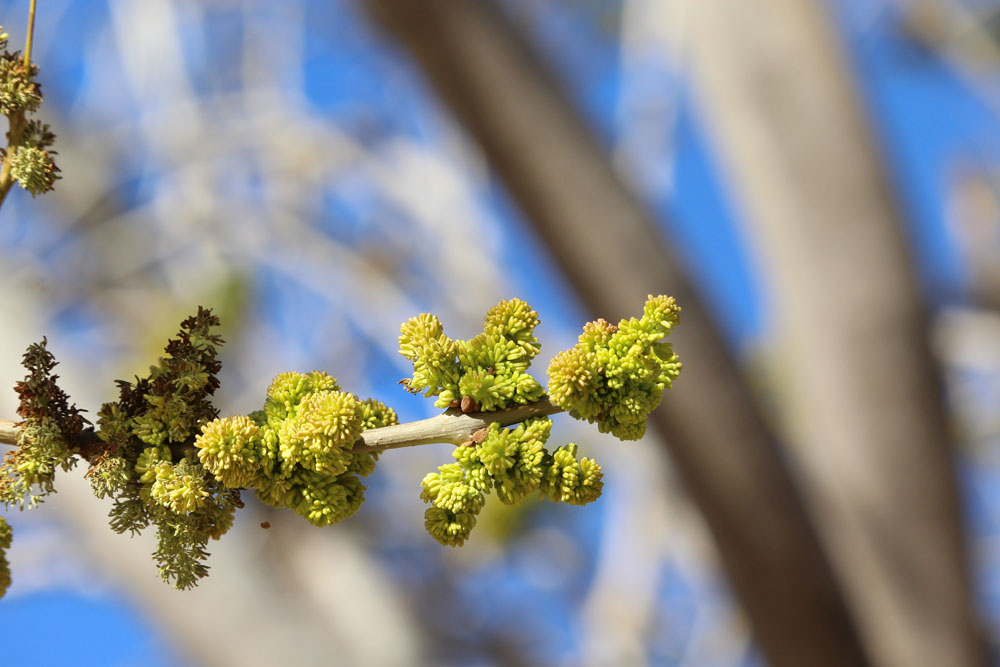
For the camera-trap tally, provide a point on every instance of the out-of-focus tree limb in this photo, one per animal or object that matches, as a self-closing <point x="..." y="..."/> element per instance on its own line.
<point x="610" y="248"/>
<point x="864" y="395"/>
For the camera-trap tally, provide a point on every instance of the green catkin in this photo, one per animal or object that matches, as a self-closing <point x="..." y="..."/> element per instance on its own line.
<point x="149" y="484"/>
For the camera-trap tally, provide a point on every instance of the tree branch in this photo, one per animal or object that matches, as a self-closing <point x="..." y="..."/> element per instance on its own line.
<point x="452" y="426"/>
<point x="613" y="252"/>
<point x="9" y="431"/>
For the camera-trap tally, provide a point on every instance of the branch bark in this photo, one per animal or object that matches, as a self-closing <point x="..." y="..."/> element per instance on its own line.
<point x="452" y="426"/>
<point x="611" y="249"/>
<point x="864" y="395"/>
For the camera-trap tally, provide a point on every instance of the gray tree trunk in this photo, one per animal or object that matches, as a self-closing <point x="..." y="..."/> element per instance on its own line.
<point x="863" y="397"/>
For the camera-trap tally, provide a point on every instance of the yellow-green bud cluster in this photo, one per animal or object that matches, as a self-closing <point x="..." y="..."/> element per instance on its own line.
<point x="30" y="164"/>
<point x="569" y="480"/>
<point x="231" y="450"/>
<point x="515" y="463"/>
<point x="296" y="453"/>
<point x="33" y="168"/>
<point x="19" y="92"/>
<point x="288" y="389"/>
<point x="5" y="539"/>
<point x="180" y="487"/>
<point x="490" y="370"/>
<point x="615" y="375"/>
<point x="319" y="433"/>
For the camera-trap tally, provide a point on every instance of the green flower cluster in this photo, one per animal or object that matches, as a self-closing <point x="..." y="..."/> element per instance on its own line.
<point x="108" y="475"/>
<point x="5" y="539"/>
<point x="45" y="442"/>
<point x="33" y="168"/>
<point x="515" y="463"/>
<point x="19" y="91"/>
<point x="187" y="506"/>
<point x="296" y="452"/>
<point x="165" y="459"/>
<point x="31" y="162"/>
<point x="571" y="480"/>
<point x="487" y="372"/>
<point x="615" y="375"/>
<point x="145" y="465"/>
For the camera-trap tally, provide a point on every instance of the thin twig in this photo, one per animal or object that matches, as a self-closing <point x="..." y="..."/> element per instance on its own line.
<point x="9" y="431"/>
<point x="452" y="426"/>
<point x="31" y="33"/>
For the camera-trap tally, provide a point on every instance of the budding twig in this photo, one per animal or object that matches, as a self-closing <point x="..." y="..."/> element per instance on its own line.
<point x="17" y="121"/>
<point x="452" y="426"/>
<point x="31" y="33"/>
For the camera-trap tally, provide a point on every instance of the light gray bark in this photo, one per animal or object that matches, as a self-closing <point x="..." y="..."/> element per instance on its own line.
<point x="862" y="392"/>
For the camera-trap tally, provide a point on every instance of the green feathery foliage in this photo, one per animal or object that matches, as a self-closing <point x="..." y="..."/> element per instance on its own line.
<point x="46" y="441"/>
<point x="615" y="375"/>
<point x="109" y="475"/>
<point x="153" y="417"/>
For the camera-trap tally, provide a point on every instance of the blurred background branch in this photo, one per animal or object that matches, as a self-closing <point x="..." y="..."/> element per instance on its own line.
<point x="867" y="414"/>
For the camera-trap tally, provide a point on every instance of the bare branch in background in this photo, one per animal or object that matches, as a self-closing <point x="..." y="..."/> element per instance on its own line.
<point x="610" y="248"/>
<point x="863" y="389"/>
